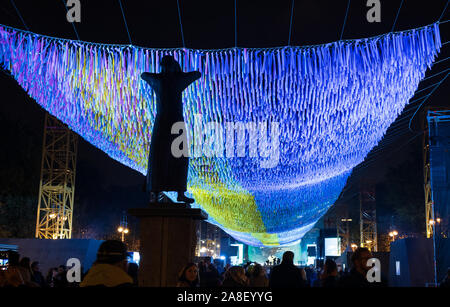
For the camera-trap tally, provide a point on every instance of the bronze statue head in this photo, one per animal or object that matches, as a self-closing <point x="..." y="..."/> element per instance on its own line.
<point x="168" y="64"/>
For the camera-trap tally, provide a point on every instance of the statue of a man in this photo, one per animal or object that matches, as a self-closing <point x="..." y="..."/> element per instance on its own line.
<point x="165" y="171"/>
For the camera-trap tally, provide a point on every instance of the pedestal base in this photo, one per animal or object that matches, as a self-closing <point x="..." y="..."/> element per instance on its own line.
<point x="167" y="240"/>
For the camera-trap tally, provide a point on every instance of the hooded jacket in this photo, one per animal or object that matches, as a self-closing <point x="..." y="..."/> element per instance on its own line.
<point x="106" y="275"/>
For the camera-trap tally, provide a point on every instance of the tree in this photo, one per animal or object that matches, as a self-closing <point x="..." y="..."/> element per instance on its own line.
<point x="19" y="179"/>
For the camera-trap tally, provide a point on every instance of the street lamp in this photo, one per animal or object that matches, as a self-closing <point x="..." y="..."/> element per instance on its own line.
<point x="392" y="234"/>
<point x="123" y="227"/>
<point x="123" y="231"/>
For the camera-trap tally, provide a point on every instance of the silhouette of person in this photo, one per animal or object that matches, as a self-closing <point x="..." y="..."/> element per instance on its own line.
<point x="167" y="172"/>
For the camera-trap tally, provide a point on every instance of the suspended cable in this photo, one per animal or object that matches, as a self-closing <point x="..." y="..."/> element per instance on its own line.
<point x="404" y="115"/>
<point x="443" y="11"/>
<point x="420" y="98"/>
<point x="393" y="130"/>
<point x="369" y="162"/>
<point x="235" y="24"/>
<point x="290" y="26"/>
<point x="425" y="88"/>
<point x="73" y="24"/>
<point x="345" y="20"/>
<point x="20" y="15"/>
<point x="434" y="75"/>
<point x="409" y="126"/>
<point x="396" y="17"/>
<point x="372" y="157"/>
<point x="125" y="21"/>
<point x="387" y="142"/>
<point x="215" y="50"/>
<point x="380" y="150"/>
<point x="389" y="135"/>
<point x="441" y="61"/>
<point x="401" y="121"/>
<point x="181" y="25"/>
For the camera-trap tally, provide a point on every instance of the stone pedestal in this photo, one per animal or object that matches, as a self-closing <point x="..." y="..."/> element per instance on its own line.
<point x="167" y="241"/>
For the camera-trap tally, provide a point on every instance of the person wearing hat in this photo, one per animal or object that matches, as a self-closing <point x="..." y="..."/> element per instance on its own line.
<point x="110" y="268"/>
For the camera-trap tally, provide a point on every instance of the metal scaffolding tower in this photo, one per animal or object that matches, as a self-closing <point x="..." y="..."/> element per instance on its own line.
<point x="57" y="183"/>
<point x="438" y="120"/>
<point x="368" y="218"/>
<point x="343" y="231"/>
<point x="426" y="177"/>
<point x="439" y="162"/>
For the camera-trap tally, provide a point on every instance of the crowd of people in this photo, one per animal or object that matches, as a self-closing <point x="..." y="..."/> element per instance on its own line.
<point x="111" y="269"/>
<point x="283" y="275"/>
<point x="22" y="272"/>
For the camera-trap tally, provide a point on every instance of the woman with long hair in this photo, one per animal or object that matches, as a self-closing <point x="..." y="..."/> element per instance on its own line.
<point x="188" y="276"/>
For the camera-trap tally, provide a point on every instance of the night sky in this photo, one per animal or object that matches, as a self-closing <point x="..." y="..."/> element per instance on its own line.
<point x="104" y="187"/>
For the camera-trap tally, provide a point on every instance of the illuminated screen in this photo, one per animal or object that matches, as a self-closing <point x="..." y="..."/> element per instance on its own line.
<point x="134" y="257"/>
<point x="332" y="247"/>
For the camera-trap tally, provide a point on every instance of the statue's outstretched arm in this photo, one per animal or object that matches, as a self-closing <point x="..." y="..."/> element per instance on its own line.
<point x="189" y="77"/>
<point x="150" y="78"/>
